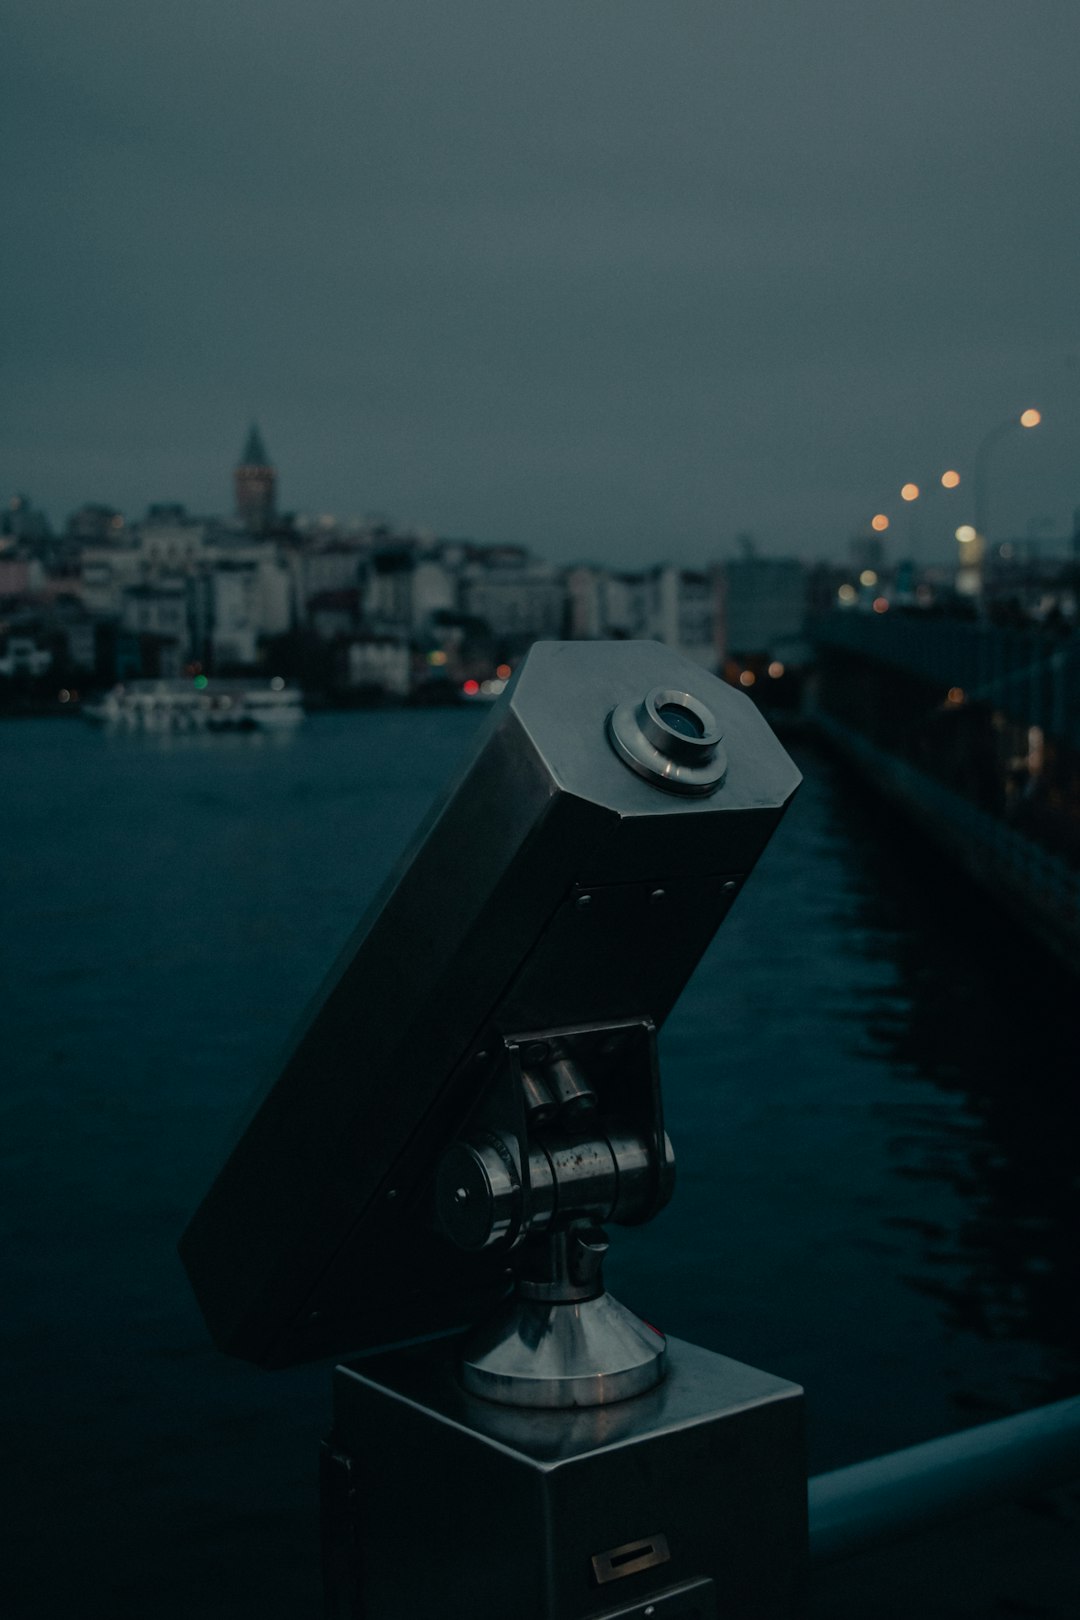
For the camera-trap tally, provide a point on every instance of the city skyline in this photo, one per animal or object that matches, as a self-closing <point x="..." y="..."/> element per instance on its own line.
<point x="901" y="536"/>
<point x="611" y="283"/>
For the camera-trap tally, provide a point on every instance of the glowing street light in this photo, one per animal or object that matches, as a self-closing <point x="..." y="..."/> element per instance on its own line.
<point x="879" y="523"/>
<point x="950" y="479"/>
<point x="910" y="492"/>
<point x="1029" y="418"/>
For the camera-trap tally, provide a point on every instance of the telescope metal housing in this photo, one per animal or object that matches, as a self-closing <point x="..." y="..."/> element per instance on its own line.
<point x="558" y="884"/>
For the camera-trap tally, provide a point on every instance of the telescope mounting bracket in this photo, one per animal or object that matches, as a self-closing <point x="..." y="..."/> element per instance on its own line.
<point x="569" y="1135"/>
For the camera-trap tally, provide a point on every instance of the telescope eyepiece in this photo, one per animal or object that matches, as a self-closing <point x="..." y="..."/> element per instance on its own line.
<point x="672" y="739"/>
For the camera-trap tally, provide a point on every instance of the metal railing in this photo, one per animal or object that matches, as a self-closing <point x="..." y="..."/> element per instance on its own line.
<point x="853" y="1510"/>
<point x="1030" y="674"/>
<point x="1014" y="860"/>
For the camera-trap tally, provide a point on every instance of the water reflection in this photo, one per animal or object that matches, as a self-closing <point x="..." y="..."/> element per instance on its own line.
<point x="991" y="1023"/>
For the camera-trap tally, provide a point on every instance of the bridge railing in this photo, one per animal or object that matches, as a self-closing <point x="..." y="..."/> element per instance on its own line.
<point x="1032" y="674"/>
<point x="853" y="1510"/>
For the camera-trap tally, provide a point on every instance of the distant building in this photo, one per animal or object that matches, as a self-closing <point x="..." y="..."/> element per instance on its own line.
<point x="168" y="539"/>
<point x="234" y="618"/>
<point x="626" y="606"/>
<point x="245" y="599"/>
<point x="677" y="606"/>
<point x="518" y="599"/>
<point x="333" y="614"/>
<point x="327" y="565"/>
<point x="763" y="601"/>
<point x="255" y="485"/>
<point x="683" y="612"/>
<point x="93" y="524"/>
<point x="159" y="609"/>
<point x="105" y="573"/>
<point x="405" y="588"/>
<point x="377" y="663"/>
<point x="20" y="578"/>
<point x="23" y="655"/>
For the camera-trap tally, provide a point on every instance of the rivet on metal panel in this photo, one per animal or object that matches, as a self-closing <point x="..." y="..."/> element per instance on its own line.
<point x="658" y="895"/>
<point x="583" y="900"/>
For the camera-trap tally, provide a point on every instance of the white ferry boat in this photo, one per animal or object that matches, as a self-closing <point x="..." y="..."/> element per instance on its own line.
<point x="202" y="704"/>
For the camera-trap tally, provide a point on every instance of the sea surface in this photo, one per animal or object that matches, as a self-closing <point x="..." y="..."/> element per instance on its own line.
<point x="870" y="1084"/>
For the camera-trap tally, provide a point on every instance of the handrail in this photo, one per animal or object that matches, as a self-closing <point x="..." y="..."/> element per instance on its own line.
<point x="906" y="1492"/>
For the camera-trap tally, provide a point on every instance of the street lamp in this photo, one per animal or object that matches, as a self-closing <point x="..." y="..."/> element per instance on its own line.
<point x="1027" y="419"/>
<point x="910" y="493"/>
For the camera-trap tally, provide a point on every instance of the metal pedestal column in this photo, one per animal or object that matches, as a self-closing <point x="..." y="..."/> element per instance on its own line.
<point x="687" y="1502"/>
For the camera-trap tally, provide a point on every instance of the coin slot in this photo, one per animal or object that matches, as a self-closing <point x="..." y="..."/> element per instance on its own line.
<point x="630" y="1558"/>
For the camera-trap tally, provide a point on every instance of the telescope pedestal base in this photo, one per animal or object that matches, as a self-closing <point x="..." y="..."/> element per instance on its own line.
<point x="684" y="1503"/>
<point x="590" y="1352"/>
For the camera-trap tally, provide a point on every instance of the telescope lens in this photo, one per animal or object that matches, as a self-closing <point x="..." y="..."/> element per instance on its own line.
<point x="672" y="739"/>
<point x="684" y="721"/>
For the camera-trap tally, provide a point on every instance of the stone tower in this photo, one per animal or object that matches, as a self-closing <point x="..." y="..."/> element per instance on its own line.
<point x="255" y="483"/>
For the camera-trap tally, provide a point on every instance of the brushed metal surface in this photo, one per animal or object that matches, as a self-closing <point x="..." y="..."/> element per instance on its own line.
<point x="525" y="902"/>
<point x="591" y="1352"/>
<point x="453" y="1506"/>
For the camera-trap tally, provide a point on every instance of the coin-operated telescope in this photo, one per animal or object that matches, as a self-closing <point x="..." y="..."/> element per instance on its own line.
<point x="472" y="1100"/>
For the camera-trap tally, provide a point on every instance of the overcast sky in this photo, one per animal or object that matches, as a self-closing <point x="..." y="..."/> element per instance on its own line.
<point x="611" y="278"/>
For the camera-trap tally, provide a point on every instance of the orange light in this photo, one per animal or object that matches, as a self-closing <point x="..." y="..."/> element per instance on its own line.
<point x="879" y="522"/>
<point x="1030" y="418"/>
<point x="950" y="479"/>
<point x="503" y="672"/>
<point x="910" y="492"/>
<point x="471" y="688"/>
<point x="956" y="694"/>
<point x="747" y="678"/>
<point x="881" y="604"/>
<point x="776" y="669"/>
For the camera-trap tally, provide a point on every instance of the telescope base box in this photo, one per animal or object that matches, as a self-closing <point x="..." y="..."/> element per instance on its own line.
<point x="684" y="1503"/>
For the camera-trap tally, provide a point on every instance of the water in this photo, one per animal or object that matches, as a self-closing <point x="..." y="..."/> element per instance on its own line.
<point x="870" y="1084"/>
